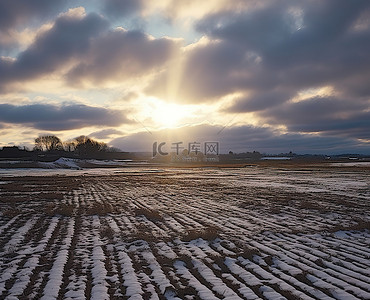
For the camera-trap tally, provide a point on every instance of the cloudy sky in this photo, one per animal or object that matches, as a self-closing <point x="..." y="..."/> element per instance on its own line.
<point x="271" y="76"/>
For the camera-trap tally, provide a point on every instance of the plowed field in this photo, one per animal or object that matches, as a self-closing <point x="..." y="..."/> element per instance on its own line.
<point x="248" y="233"/>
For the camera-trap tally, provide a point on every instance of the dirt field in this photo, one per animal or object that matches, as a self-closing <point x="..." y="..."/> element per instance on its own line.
<point x="243" y="233"/>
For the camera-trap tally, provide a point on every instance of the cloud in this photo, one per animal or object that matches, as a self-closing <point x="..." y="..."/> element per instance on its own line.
<point x="272" y="52"/>
<point x="122" y="54"/>
<point x="299" y="45"/>
<point x="13" y="13"/>
<point x="81" y="48"/>
<point x="327" y="115"/>
<point x="261" y="100"/>
<point x="240" y="139"/>
<point x="69" y="38"/>
<point x="106" y="133"/>
<point x="308" y="29"/>
<point x="57" y="118"/>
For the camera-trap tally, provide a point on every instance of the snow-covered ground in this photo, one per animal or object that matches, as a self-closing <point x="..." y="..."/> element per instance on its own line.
<point x="134" y="233"/>
<point x="352" y="164"/>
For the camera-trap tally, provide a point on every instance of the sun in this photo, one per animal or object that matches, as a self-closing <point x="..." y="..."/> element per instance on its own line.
<point x="169" y="115"/>
<point x="156" y="113"/>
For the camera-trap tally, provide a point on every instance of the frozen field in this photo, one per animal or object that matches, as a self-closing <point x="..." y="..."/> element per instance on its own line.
<point x="250" y="233"/>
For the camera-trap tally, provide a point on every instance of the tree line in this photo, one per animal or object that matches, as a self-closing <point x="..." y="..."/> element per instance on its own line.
<point x="83" y="146"/>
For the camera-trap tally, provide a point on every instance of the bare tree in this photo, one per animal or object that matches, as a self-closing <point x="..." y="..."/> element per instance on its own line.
<point x="48" y="143"/>
<point x="86" y="146"/>
<point x="70" y="146"/>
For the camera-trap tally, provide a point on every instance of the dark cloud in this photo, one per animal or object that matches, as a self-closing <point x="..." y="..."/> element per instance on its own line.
<point x="122" y="54"/>
<point x="15" y="12"/>
<point x="330" y="115"/>
<point x="272" y="53"/>
<point x="106" y="133"/>
<point x="68" y="39"/>
<point x="97" y="53"/>
<point x="240" y="139"/>
<point x="260" y="100"/>
<point x="286" y="32"/>
<point x="64" y="117"/>
<point x="300" y="45"/>
<point x="122" y="8"/>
